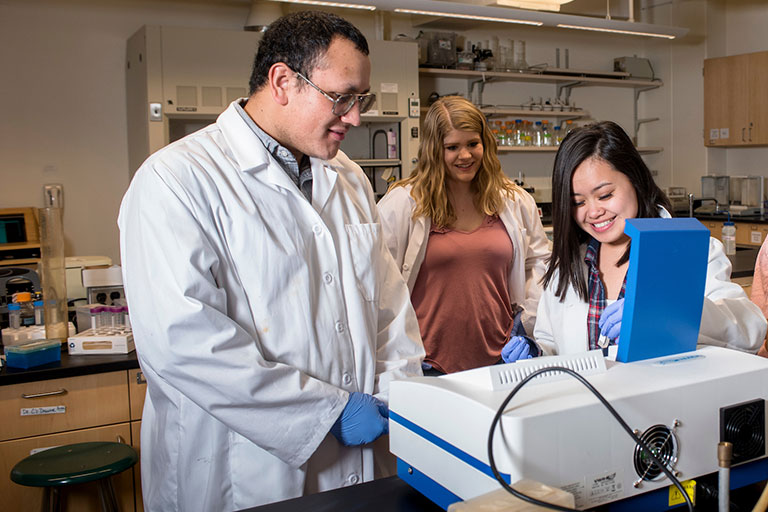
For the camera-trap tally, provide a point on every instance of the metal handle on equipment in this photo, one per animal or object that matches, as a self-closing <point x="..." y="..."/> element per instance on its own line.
<point x="61" y="391"/>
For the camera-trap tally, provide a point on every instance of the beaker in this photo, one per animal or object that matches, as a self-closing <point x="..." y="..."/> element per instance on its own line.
<point x="53" y="272"/>
<point x="519" y="58"/>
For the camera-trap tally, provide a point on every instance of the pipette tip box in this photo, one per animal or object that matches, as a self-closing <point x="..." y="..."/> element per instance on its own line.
<point x="36" y="353"/>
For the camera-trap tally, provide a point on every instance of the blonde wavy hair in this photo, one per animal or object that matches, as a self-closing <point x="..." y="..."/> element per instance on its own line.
<point x="490" y="187"/>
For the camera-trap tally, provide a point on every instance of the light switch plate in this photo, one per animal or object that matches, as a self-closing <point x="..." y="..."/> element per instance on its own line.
<point x="413" y="107"/>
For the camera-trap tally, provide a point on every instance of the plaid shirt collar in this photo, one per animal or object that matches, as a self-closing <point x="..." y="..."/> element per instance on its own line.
<point x="596" y="291"/>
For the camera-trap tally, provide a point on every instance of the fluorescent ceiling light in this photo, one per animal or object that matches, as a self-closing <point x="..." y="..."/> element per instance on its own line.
<point x="469" y="17"/>
<point x="329" y="4"/>
<point x="616" y="31"/>
<point x="550" y="5"/>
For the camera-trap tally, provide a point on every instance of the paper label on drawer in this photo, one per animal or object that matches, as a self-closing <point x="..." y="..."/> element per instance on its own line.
<point x="756" y="237"/>
<point x="36" y="411"/>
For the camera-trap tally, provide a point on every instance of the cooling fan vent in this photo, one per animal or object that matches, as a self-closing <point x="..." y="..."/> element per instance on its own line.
<point x="662" y="440"/>
<point x="743" y="425"/>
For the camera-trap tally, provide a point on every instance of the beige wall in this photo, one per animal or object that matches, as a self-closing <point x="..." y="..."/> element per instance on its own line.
<point x="62" y="103"/>
<point x="62" y="93"/>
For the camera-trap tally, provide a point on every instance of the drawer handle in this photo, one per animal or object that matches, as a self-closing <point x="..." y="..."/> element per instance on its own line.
<point x="140" y="378"/>
<point x="61" y="391"/>
<point x="120" y="439"/>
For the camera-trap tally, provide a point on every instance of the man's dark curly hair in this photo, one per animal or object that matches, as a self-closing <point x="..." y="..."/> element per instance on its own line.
<point x="300" y="40"/>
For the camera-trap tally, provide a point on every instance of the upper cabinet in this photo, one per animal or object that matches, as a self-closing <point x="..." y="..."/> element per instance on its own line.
<point x="735" y="103"/>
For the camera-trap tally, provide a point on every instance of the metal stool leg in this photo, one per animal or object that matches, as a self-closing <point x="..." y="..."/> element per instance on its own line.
<point x="107" y="495"/>
<point x="51" y="499"/>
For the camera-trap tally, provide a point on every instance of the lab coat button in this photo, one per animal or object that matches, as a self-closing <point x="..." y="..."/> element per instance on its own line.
<point x="406" y="267"/>
<point x="339" y="327"/>
<point x="353" y="479"/>
<point x="346" y="378"/>
<point x="317" y="229"/>
<point x="328" y="278"/>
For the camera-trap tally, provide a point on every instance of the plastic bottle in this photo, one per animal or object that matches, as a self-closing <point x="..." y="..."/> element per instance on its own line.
<point x="14" y="315"/>
<point x="558" y="135"/>
<point x="39" y="308"/>
<point x="538" y="135"/>
<point x="546" y="135"/>
<point x="24" y="300"/>
<point x="729" y="237"/>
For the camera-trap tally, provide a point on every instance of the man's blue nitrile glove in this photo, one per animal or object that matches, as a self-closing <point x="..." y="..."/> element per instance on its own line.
<point x="610" y="320"/>
<point x="362" y="421"/>
<point x="516" y="348"/>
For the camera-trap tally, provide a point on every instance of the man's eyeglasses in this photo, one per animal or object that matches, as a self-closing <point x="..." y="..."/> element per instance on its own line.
<point x="343" y="103"/>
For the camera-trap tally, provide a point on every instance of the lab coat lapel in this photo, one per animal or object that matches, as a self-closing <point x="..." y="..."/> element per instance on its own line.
<point x="323" y="180"/>
<point x="250" y="153"/>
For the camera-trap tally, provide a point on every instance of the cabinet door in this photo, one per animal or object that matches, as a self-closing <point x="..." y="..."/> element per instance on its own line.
<point x="56" y="405"/>
<point x="716" y="97"/>
<point x="80" y="498"/>
<point x="757" y="129"/>
<point x="738" y="100"/>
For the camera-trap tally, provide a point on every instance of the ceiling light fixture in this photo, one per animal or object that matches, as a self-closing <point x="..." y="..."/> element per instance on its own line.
<point x="469" y="17"/>
<point x="474" y="12"/>
<point x="616" y="31"/>
<point x="329" y="4"/>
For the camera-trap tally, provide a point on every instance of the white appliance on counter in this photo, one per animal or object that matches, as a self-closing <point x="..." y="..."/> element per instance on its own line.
<point x="556" y="432"/>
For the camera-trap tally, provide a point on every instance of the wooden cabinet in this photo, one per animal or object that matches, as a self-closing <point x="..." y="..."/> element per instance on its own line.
<point x="748" y="234"/>
<point x="735" y="103"/>
<point x="48" y="413"/>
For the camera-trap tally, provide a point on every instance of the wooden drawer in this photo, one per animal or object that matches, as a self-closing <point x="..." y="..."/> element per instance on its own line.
<point x="80" y="498"/>
<point x="73" y="403"/>
<point x="749" y="233"/>
<point x="715" y="229"/>
<point x="137" y="386"/>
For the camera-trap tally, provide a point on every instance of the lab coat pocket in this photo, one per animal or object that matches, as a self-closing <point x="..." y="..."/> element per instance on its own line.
<point x="365" y="246"/>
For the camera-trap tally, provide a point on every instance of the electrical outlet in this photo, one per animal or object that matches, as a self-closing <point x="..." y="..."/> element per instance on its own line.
<point x="155" y="112"/>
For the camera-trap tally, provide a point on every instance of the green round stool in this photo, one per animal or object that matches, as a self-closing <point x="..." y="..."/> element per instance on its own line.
<point x="75" y="464"/>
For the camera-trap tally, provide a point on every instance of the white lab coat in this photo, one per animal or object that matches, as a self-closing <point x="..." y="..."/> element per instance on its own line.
<point x="255" y="314"/>
<point x="407" y="237"/>
<point x="728" y="319"/>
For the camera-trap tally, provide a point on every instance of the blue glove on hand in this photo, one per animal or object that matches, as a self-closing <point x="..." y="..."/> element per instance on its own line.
<point x="362" y="421"/>
<point x="516" y="348"/>
<point x="610" y="320"/>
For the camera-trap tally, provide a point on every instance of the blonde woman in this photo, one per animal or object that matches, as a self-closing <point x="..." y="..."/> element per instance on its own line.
<point x="469" y="243"/>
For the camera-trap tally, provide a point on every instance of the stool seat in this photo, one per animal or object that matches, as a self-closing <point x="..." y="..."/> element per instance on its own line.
<point x="74" y="464"/>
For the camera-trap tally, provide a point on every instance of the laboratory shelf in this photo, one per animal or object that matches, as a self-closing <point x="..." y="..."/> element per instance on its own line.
<point x="489" y="111"/>
<point x="377" y="162"/>
<point x="582" y="80"/>
<point x="551" y="149"/>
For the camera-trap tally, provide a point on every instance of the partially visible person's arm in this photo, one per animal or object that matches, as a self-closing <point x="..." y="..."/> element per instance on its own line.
<point x="729" y="318"/>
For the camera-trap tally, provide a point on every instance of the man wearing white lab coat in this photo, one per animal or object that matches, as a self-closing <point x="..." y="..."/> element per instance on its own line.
<point x="266" y="315"/>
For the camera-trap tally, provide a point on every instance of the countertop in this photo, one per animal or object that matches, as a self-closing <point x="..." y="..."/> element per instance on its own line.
<point x="384" y="495"/>
<point x="70" y="366"/>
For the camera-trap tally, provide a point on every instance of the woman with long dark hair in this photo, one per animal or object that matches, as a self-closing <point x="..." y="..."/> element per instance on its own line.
<point x="599" y="180"/>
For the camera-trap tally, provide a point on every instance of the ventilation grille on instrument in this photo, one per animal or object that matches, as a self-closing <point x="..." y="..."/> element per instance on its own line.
<point x="501" y="377"/>
<point x="663" y="443"/>
<point x="743" y="425"/>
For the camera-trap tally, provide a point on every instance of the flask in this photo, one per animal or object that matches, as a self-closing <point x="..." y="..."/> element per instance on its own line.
<point x="729" y="237"/>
